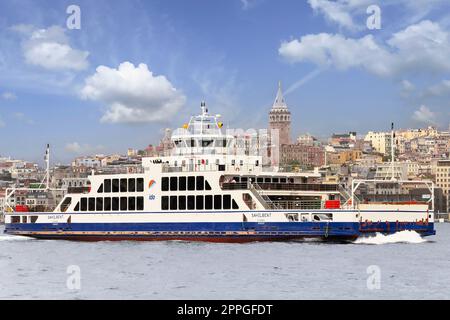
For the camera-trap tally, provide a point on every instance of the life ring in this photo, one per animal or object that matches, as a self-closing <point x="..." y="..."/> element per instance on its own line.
<point x="237" y="169"/>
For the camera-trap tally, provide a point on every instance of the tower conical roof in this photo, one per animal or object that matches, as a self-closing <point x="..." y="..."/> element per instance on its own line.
<point x="279" y="100"/>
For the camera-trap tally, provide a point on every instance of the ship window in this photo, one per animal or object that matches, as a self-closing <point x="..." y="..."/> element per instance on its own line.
<point x="131" y="185"/>
<point x="34" y="219"/>
<point x="91" y="204"/>
<point x="217" y="202"/>
<point x="66" y="203"/>
<point x="207" y="186"/>
<point x="99" y="205"/>
<point x="131" y="203"/>
<point x="173" y="183"/>
<point x="244" y="179"/>
<point x="100" y="189"/>
<point x="140" y="203"/>
<point x="199" y="202"/>
<point x="200" y="183"/>
<point x="182" y="202"/>
<point x="275" y="180"/>
<point x="165" y="184"/>
<point x="15" y="219"/>
<point x="283" y="180"/>
<point x="123" y="203"/>
<point x="108" y="185"/>
<point x="83" y="204"/>
<point x="123" y="185"/>
<point x="191" y="183"/>
<point x="165" y="203"/>
<point x="235" y="205"/>
<point x="260" y="180"/>
<point x="107" y="204"/>
<point x="182" y="183"/>
<point x="77" y="207"/>
<point x="267" y="180"/>
<point x="173" y="202"/>
<point x="115" y="185"/>
<point x="115" y="204"/>
<point x="227" y="202"/>
<point x="206" y="143"/>
<point x="208" y="202"/>
<point x="191" y="203"/>
<point x="191" y="143"/>
<point x="140" y="185"/>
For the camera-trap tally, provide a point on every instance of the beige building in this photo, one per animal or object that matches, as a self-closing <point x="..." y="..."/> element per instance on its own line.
<point x="381" y="141"/>
<point x="443" y="178"/>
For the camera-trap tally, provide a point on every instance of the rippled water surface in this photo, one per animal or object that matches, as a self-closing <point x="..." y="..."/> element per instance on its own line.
<point x="409" y="268"/>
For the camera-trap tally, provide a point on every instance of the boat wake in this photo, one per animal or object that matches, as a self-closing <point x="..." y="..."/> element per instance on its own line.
<point x="7" y="237"/>
<point x="406" y="236"/>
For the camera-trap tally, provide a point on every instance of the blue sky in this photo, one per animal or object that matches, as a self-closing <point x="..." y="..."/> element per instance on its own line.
<point x="137" y="67"/>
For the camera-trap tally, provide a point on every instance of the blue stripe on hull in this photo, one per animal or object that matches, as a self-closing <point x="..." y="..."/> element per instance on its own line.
<point x="221" y="232"/>
<point x="320" y="229"/>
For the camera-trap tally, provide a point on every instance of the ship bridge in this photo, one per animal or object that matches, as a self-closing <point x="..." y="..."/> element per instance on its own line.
<point x="202" y="135"/>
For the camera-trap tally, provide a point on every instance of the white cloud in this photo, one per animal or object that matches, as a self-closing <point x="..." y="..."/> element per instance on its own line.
<point x="9" y="96"/>
<point x="440" y="89"/>
<point x="20" y="116"/>
<point x="339" y="12"/>
<point x="407" y="88"/>
<point x="429" y="43"/>
<point x="248" y="4"/>
<point x="352" y="15"/>
<point x="83" y="149"/>
<point x="132" y="94"/>
<point x="50" y="49"/>
<point x="73" y="147"/>
<point x="424" y="115"/>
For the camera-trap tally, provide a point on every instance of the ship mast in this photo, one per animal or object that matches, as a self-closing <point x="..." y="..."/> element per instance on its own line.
<point x="47" y="160"/>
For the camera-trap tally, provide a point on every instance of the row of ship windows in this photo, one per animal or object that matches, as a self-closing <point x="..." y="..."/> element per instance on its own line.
<point x="122" y="185"/>
<point x="208" y="202"/>
<point x="184" y="183"/>
<point x="110" y="204"/>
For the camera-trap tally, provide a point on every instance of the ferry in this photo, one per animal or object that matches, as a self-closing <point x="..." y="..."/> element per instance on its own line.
<point x="204" y="192"/>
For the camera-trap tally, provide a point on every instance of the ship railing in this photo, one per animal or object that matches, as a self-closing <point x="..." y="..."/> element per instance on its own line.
<point x="262" y="197"/>
<point x="284" y="186"/>
<point x="228" y="168"/>
<point x="299" y="205"/>
<point x="346" y="197"/>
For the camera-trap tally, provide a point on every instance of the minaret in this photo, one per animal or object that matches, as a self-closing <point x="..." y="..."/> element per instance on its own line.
<point x="280" y="118"/>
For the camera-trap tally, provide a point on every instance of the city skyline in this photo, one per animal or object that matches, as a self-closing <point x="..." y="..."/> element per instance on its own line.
<point x="338" y="75"/>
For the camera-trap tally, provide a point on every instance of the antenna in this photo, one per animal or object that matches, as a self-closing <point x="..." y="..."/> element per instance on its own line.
<point x="47" y="161"/>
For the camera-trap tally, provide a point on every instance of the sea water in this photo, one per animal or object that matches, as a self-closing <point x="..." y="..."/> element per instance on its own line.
<point x="399" y="266"/>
